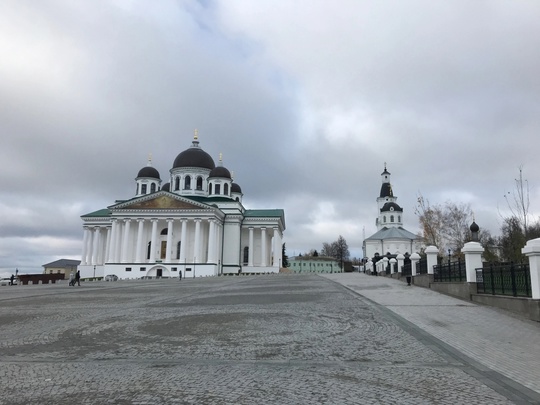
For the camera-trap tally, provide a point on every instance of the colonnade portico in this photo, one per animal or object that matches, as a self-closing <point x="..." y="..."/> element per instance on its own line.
<point x="269" y="249"/>
<point x="126" y="244"/>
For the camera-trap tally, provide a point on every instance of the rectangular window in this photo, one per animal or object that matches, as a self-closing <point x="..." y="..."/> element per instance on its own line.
<point x="174" y="268"/>
<point x="143" y="268"/>
<point x="128" y="268"/>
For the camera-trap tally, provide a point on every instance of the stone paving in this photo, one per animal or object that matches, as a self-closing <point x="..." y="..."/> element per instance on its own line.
<point x="500" y="341"/>
<point x="280" y="339"/>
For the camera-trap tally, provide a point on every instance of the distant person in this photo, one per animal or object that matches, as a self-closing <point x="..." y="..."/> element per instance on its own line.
<point x="11" y="279"/>
<point x="71" y="279"/>
<point x="180" y="275"/>
<point x="78" y="278"/>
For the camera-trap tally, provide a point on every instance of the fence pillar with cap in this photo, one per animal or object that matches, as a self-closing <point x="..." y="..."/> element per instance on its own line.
<point x="473" y="259"/>
<point x="431" y="257"/>
<point x="400" y="259"/>
<point x="532" y="251"/>
<point x="393" y="265"/>
<point x="415" y="257"/>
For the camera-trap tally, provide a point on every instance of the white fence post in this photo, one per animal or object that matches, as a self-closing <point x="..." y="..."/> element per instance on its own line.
<point x="400" y="258"/>
<point x="532" y="251"/>
<point x="473" y="259"/>
<point x="393" y="265"/>
<point x="431" y="256"/>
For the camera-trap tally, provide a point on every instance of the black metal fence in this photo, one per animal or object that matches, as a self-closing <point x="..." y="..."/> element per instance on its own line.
<point x="421" y="266"/>
<point x="504" y="279"/>
<point x="451" y="271"/>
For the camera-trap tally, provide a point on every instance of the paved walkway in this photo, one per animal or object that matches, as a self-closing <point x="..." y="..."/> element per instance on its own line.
<point x="494" y="339"/>
<point x="281" y="339"/>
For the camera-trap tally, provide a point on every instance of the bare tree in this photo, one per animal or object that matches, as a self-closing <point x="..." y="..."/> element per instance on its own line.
<point x="338" y="249"/>
<point x="518" y="202"/>
<point x="431" y="222"/>
<point x="444" y="226"/>
<point x="457" y="220"/>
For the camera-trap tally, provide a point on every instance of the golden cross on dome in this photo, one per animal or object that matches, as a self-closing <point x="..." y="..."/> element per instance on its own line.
<point x="220" y="157"/>
<point x="150" y="159"/>
<point x="196" y="134"/>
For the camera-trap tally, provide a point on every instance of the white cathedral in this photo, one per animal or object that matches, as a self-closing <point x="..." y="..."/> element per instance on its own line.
<point x="193" y="226"/>
<point x="391" y="238"/>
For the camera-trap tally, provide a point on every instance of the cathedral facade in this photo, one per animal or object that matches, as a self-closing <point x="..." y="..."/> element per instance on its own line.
<point x="195" y="225"/>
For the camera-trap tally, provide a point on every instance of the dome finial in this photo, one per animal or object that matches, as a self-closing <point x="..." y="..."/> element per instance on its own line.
<point x="149" y="159"/>
<point x="196" y="134"/>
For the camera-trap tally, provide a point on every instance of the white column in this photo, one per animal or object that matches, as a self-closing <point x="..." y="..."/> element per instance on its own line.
<point x="414" y="259"/>
<point x="95" y="243"/>
<point x="183" y="241"/>
<point x="431" y="257"/>
<point x="170" y="226"/>
<point x="277" y="249"/>
<point x="212" y="241"/>
<point x="153" y="243"/>
<point x="139" y="248"/>
<point x="251" y="247"/>
<point x="84" y="253"/>
<point x="532" y="251"/>
<point x="117" y="242"/>
<point x="125" y="243"/>
<point x="112" y="242"/>
<point x="196" y="251"/>
<point x="473" y="259"/>
<point x="107" y="250"/>
<point x="263" y="247"/>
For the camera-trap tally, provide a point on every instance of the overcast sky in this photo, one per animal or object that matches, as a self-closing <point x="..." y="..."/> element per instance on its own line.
<point x="305" y="99"/>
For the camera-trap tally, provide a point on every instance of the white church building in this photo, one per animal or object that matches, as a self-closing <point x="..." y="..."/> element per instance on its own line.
<point x="391" y="238"/>
<point x="192" y="226"/>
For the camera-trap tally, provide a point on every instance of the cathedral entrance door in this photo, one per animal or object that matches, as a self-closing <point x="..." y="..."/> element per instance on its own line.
<point x="159" y="273"/>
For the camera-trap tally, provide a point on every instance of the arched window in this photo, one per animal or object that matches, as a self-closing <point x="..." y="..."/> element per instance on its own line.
<point x="178" y="246"/>
<point x="199" y="183"/>
<point x="246" y="255"/>
<point x="210" y="189"/>
<point x="399" y="218"/>
<point x="153" y="188"/>
<point x="137" y="192"/>
<point x="177" y="183"/>
<point x="384" y="219"/>
<point x="164" y="231"/>
<point x="187" y="183"/>
<point x="143" y="189"/>
<point x="218" y="189"/>
<point x="226" y="189"/>
<point x="391" y="218"/>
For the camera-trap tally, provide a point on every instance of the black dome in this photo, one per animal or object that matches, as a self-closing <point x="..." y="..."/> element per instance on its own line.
<point x="235" y="188"/>
<point x="220" y="171"/>
<point x="194" y="157"/>
<point x="391" y="206"/>
<point x="474" y="227"/>
<point x="166" y="187"/>
<point x="149" y="171"/>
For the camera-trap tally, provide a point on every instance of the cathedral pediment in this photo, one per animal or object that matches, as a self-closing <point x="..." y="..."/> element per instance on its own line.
<point x="164" y="202"/>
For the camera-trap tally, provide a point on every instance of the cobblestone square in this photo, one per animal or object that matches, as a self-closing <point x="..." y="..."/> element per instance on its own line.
<point x="276" y="339"/>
